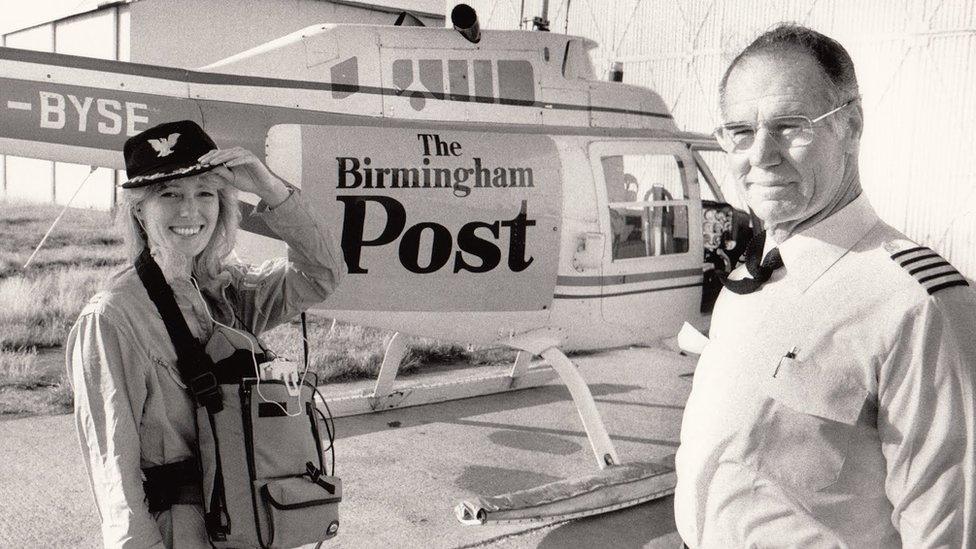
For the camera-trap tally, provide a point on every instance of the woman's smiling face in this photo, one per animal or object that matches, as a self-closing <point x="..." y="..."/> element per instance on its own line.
<point x="182" y="214"/>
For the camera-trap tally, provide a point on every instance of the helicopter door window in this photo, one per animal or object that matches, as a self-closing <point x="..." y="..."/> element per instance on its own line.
<point x="648" y="212"/>
<point x="714" y="169"/>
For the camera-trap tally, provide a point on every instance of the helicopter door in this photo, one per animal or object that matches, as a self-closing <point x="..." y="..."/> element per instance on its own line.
<point x="652" y="270"/>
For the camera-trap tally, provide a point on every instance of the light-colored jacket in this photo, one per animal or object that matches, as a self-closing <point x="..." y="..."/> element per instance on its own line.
<point x="131" y="408"/>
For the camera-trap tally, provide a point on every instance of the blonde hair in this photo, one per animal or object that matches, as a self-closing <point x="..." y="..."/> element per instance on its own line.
<point x="209" y="262"/>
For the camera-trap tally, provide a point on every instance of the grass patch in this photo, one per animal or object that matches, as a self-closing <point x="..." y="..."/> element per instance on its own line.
<point x="16" y="402"/>
<point x="38" y="305"/>
<point x="32" y="383"/>
<point x="19" y="368"/>
<point x="83" y="238"/>
<point x="350" y="352"/>
<point x="37" y="310"/>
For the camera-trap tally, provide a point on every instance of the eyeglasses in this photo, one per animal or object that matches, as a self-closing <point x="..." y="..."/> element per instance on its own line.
<point x="787" y="131"/>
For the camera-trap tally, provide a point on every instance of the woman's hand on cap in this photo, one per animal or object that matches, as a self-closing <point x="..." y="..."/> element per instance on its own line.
<point x="243" y="170"/>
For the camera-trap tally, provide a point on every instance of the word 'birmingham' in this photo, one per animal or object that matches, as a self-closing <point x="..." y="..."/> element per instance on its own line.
<point x="354" y="173"/>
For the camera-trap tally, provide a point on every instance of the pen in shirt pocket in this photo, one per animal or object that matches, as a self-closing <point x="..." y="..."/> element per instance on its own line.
<point x="791" y="354"/>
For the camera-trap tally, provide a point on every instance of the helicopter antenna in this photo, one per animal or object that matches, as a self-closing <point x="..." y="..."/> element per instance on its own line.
<point x="541" y="23"/>
<point x="58" y="218"/>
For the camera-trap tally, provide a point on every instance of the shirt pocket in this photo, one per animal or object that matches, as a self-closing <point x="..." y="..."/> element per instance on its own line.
<point x="814" y="405"/>
<point x="169" y="366"/>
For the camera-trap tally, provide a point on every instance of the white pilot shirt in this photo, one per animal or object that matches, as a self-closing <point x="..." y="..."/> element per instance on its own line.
<point x="835" y="406"/>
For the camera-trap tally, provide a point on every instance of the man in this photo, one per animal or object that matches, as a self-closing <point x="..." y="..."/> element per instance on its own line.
<point x="834" y="404"/>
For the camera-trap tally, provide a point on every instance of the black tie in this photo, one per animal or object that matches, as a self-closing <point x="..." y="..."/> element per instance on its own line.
<point x="760" y="271"/>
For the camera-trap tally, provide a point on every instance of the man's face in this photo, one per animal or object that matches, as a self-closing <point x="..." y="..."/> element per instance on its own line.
<point x="786" y="185"/>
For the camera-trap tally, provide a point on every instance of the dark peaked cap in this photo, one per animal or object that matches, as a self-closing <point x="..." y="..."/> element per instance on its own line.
<point x="166" y="152"/>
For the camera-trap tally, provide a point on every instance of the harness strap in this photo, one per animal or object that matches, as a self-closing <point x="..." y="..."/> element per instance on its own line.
<point x="195" y="366"/>
<point x="172" y="484"/>
<point x="315" y="474"/>
<point x="215" y="517"/>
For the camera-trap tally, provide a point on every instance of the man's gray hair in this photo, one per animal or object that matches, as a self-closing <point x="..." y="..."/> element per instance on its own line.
<point x="830" y="56"/>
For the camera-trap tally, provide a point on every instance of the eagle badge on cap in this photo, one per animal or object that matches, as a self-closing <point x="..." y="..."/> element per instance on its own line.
<point x="154" y="156"/>
<point x="164" y="146"/>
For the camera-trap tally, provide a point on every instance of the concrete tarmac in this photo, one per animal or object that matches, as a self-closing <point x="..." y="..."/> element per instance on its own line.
<point x="404" y="470"/>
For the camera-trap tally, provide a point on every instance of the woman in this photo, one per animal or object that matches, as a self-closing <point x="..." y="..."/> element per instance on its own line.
<point x="132" y="409"/>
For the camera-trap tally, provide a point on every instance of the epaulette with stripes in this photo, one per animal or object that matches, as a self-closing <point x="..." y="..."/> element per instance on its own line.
<point x="927" y="267"/>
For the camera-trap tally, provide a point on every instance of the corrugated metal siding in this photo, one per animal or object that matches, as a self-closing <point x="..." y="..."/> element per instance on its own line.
<point x="916" y="64"/>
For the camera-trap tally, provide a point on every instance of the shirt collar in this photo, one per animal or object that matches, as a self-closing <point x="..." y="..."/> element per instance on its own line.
<point x="808" y="254"/>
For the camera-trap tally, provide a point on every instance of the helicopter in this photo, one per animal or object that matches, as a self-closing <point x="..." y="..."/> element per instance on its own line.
<point x="490" y="190"/>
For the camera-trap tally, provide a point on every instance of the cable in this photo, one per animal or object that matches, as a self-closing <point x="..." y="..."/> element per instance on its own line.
<point x="257" y="370"/>
<point x="329" y="429"/>
<point x="329" y="421"/>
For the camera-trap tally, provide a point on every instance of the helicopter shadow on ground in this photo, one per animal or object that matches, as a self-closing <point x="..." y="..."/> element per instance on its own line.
<point x="488" y="480"/>
<point x="458" y="411"/>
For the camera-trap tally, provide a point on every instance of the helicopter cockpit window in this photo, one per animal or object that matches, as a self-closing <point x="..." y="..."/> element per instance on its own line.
<point x="644" y="219"/>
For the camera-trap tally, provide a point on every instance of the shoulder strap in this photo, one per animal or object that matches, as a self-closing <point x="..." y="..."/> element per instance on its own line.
<point x="928" y="268"/>
<point x="195" y="366"/>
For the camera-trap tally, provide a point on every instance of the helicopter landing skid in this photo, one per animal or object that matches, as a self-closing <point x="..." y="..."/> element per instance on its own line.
<point x="615" y="486"/>
<point x="388" y="395"/>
